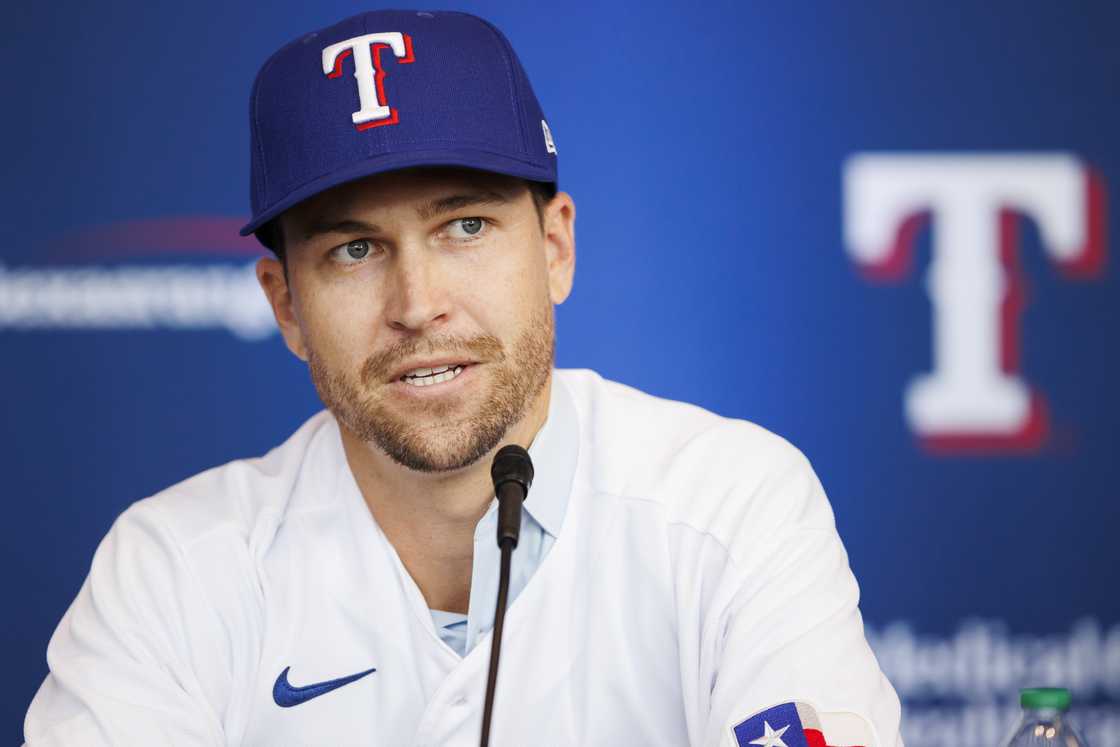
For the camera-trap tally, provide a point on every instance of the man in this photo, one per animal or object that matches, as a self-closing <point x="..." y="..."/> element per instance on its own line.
<point x="679" y="578"/>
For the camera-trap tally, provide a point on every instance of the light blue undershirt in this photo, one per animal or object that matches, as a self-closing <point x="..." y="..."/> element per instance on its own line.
<point x="553" y="452"/>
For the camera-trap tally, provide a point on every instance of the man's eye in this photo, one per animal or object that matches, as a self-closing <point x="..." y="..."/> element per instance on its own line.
<point x="357" y="249"/>
<point x="353" y="251"/>
<point x="465" y="227"/>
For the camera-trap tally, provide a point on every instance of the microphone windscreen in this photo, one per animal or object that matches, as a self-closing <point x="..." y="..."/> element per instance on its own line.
<point x="512" y="464"/>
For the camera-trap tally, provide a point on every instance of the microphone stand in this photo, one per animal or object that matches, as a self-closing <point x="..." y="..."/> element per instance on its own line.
<point x="512" y="473"/>
<point x="496" y="639"/>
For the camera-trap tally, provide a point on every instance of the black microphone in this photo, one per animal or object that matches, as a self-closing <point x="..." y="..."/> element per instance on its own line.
<point x="512" y="473"/>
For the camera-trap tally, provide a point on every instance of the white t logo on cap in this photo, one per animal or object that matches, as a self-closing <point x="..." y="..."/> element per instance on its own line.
<point x="366" y="50"/>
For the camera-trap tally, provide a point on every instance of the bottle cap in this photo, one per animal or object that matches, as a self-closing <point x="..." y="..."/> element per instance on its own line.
<point x="1045" y="697"/>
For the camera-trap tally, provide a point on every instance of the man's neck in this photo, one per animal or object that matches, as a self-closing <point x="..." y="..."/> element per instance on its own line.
<point x="430" y="518"/>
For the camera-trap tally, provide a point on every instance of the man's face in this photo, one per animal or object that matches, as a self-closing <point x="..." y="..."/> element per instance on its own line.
<point x="422" y="302"/>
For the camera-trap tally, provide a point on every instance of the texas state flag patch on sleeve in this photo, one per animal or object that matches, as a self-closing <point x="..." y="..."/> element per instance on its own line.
<point x="786" y="725"/>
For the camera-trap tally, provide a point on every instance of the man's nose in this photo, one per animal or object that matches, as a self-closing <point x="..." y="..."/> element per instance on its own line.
<point x="417" y="297"/>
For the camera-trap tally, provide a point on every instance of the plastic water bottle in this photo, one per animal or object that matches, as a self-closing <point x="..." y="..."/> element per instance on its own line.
<point x="1044" y="721"/>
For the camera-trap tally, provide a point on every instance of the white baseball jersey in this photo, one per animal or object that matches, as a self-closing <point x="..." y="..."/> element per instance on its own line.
<point x="697" y="581"/>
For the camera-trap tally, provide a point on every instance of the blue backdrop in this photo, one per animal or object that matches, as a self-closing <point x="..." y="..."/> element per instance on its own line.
<point x="705" y="147"/>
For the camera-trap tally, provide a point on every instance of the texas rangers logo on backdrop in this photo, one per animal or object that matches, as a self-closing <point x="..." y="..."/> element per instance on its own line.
<point x="374" y="110"/>
<point x="975" y="398"/>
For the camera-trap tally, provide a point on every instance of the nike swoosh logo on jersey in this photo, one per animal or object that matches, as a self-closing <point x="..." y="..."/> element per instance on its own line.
<point x="287" y="696"/>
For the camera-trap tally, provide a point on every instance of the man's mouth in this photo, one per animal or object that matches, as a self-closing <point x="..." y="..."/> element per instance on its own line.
<point x="430" y="376"/>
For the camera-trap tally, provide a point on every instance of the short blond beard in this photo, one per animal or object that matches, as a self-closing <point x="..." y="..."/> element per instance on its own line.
<point x="520" y="375"/>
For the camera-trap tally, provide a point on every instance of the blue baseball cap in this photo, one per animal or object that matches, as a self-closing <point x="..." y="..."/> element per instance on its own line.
<point x="388" y="90"/>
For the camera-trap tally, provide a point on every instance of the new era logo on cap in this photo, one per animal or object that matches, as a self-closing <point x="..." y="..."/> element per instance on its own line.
<point x="549" y="145"/>
<point x="449" y="83"/>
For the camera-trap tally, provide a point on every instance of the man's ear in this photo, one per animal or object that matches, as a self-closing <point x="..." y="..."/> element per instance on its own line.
<point x="560" y="245"/>
<point x="274" y="283"/>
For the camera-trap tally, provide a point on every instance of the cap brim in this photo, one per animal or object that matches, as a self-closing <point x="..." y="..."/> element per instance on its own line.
<point x="480" y="160"/>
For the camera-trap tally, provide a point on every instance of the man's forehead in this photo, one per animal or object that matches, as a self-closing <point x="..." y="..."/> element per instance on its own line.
<point x="410" y="186"/>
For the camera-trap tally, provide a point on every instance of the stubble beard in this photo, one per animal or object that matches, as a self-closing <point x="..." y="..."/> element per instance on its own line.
<point x="440" y="436"/>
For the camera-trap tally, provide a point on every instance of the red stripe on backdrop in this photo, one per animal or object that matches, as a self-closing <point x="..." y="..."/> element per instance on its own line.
<point x="190" y="235"/>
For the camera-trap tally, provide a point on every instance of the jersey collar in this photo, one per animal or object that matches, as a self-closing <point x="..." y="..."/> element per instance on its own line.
<point x="554" y="452"/>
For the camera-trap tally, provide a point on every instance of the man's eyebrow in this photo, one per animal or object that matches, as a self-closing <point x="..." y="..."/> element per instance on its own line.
<point x="321" y="226"/>
<point x="455" y="202"/>
<point x="324" y="225"/>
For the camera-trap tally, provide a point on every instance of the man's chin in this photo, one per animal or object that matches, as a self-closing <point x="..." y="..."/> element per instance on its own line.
<point x="426" y="442"/>
<point x="428" y="456"/>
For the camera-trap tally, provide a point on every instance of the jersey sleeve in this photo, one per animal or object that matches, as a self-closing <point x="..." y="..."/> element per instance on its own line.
<point x="784" y="637"/>
<point x="123" y="659"/>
